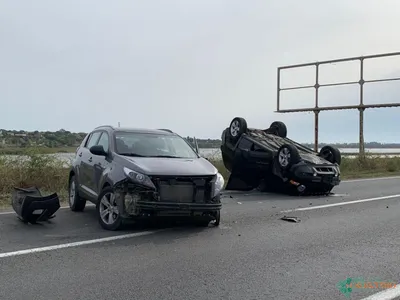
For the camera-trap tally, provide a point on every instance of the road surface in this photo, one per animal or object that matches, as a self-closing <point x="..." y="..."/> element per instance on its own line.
<point x="252" y="255"/>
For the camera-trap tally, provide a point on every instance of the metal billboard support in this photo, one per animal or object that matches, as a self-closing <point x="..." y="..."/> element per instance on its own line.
<point x="317" y="109"/>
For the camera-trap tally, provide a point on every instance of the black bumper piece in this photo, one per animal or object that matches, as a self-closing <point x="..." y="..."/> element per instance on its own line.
<point x="26" y="202"/>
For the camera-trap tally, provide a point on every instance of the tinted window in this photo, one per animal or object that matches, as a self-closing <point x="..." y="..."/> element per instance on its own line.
<point x="94" y="137"/>
<point x="245" y="144"/>
<point x="103" y="141"/>
<point x="257" y="148"/>
<point x="152" y="145"/>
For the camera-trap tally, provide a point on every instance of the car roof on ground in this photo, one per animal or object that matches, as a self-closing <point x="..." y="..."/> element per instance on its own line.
<point x="137" y="130"/>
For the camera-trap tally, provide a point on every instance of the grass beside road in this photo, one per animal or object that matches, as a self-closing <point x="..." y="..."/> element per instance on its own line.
<point x="50" y="174"/>
<point x="42" y="150"/>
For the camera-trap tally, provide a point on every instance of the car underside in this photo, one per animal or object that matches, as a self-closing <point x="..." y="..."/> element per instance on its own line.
<point x="266" y="159"/>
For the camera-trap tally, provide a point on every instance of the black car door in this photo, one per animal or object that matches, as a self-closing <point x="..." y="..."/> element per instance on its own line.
<point x="259" y="158"/>
<point x="100" y="163"/>
<point x="241" y="156"/>
<point x="86" y="165"/>
<point x="251" y="159"/>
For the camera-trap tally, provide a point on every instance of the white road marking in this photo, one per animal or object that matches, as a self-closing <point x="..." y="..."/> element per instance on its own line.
<point x="370" y="179"/>
<point x="76" y="244"/>
<point x="343" y="203"/>
<point x="338" y="195"/>
<point x="388" y="294"/>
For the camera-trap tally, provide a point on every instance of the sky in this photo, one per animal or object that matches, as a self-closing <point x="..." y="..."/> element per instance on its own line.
<point x="193" y="65"/>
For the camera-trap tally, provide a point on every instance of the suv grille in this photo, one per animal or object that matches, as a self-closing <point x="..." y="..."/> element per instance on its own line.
<point x="325" y="170"/>
<point x="188" y="189"/>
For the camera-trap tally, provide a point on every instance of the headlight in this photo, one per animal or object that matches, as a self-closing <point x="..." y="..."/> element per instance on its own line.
<point x="139" y="178"/>
<point x="219" y="184"/>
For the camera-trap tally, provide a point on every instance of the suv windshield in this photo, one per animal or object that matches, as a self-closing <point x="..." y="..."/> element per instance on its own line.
<point x="152" y="145"/>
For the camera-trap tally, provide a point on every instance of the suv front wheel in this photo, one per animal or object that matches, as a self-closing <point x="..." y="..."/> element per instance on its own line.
<point x="107" y="210"/>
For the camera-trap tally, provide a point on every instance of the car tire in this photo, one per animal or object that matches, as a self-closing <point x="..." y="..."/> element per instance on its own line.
<point x="287" y="156"/>
<point x="278" y="128"/>
<point x="108" y="211"/>
<point x="331" y="154"/>
<point x="76" y="202"/>
<point x="237" y="127"/>
<point x="217" y="218"/>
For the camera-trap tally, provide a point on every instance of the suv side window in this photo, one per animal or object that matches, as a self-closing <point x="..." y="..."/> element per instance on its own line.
<point x="94" y="137"/>
<point x="103" y="141"/>
<point x="245" y="144"/>
<point x="257" y="148"/>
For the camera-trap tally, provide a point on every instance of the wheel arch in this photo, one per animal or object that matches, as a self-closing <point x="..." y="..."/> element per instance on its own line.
<point x="71" y="174"/>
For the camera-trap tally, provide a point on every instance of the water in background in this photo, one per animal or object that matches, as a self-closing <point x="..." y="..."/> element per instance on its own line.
<point x="216" y="153"/>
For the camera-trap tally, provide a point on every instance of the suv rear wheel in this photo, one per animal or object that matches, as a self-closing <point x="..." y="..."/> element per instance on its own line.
<point x="76" y="202"/>
<point x="107" y="210"/>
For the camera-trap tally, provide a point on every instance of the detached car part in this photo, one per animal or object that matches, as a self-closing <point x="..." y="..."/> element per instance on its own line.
<point x="32" y="207"/>
<point x="266" y="157"/>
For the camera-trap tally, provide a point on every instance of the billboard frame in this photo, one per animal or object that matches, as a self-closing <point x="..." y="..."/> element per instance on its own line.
<point x="317" y="109"/>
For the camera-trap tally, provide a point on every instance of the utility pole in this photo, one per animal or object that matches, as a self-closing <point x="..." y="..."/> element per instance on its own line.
<point x="119" y="125"/>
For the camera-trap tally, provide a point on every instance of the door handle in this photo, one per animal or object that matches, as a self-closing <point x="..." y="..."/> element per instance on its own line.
<point x="80" y="154"/>
<point x="90" y="159"/>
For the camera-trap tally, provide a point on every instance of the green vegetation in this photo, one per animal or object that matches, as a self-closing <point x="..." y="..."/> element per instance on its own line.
<point x="51" y="174"/>
<point x="14" y="142"/>
<point x="44" y="171"/>
<point x="41" y="150"/>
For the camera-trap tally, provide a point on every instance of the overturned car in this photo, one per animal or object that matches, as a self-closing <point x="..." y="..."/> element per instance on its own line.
<point x="266" y="159"/>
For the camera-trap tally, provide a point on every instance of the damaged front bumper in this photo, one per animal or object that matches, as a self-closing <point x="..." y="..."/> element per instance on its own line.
<point x="138" y="201"/>
<point x="313" y="178"/>
<point x="316" y="174"/>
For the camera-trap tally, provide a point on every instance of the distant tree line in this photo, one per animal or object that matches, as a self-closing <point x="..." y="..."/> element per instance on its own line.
<point x="57" y="139"/>
<point x="65" y="138"/>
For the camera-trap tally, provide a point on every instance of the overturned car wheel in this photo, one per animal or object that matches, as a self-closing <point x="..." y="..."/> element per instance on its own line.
<point x="277" y="128"/>
<point x="287" y="156"/>
<point x="331" y="154"/>
<point x="237" y="127"/>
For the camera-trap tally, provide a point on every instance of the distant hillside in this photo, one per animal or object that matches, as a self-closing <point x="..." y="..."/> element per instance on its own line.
<point x="63" y="138"/>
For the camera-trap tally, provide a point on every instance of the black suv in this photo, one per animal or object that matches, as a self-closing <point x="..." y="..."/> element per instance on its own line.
<point x="132" y="173"/>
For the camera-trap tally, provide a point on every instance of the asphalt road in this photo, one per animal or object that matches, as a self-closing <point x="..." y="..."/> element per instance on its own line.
<point x="252" y="255"/>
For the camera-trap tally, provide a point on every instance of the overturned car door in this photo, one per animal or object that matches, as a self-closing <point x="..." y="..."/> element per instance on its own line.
<point x="249" y="166"/>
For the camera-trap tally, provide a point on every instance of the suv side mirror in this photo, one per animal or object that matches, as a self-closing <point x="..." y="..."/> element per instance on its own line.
<point x="98" y="150"/>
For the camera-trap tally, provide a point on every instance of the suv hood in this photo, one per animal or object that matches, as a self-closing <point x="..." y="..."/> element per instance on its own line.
<point x="172" y="166"/>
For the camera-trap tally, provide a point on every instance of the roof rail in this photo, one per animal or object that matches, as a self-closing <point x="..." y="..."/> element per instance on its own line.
<point x="101" y="126"/>
<point x="167" y="130"/>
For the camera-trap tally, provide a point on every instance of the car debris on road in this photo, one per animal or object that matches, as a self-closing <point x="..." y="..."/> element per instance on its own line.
<point x="266" y="159"/>
<point x="32" y="207"/>
<point x="291" y="219"/>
